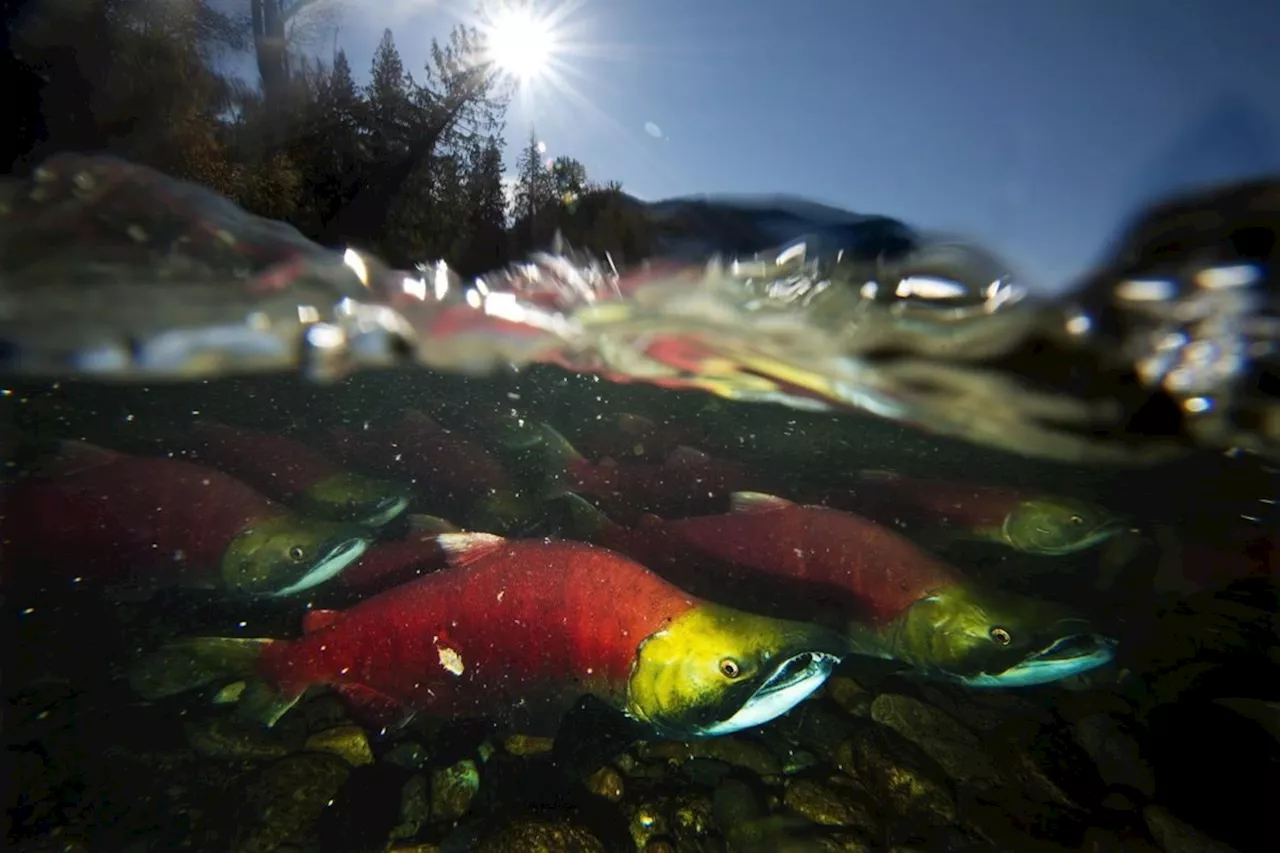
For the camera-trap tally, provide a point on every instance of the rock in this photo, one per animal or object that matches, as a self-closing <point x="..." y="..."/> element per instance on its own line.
<point x="1099" y="840"/>
<point x="734" y="802"/>
<point x="408" y="754"/>
<point x="734" y="751"/>
<point x="289" y="796"/>
<point x="453" y="788"/>
<point x="707" y="772"/>
<point x="814" y="726"/>
<point x="1115" y="753"/>
<point x="362" y="815"/>
<point x="415" y="808"/>
<point x="531" y="835"/>
<point x="849" y="695"/>
<point x="955" y="748"/>
<point x="526" y="745"/>
<point x="983" y="711"/>
<point x="607" y="783"/>
<point x="898" y="775"/>
<point x="834" y="801"/>
<point x="1175" y="836"/>
<point x="692" y="816"/>
<point x="1265" y="714"/>
<point x="349" y="743"/>
<point x="228" y="738"/>
<point x="647" y="820"/>
<point x="325" y="711"/>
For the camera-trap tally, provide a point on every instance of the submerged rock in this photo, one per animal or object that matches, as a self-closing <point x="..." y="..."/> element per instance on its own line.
<point x="228" y="738"/>
<point x="835" y="801"/>
<point x="905" y="781"/>
<point x="347" y="742"/>
<point x="453" y="788"/>
<point x="956" y="749"/>
<point x="530" y="835"/>
<point x="288" y="797"/>
<point x="1176" y="836"/>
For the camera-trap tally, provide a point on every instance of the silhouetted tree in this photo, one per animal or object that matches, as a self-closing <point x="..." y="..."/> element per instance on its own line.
<point x="410" y="168"/>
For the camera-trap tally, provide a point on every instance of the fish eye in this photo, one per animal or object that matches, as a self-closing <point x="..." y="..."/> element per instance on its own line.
<point x="297" y="553"/>
<point x="1001" y="636"/>
<point x="1076" y="519"/>
<point x="730" y="668"/>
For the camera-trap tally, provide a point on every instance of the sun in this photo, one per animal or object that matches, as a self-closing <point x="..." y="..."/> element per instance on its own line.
<point x="520" y="41"/>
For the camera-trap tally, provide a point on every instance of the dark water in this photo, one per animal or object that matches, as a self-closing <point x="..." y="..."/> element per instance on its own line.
<point x="1077" y="492"/>
<point x="1174" y="740"/>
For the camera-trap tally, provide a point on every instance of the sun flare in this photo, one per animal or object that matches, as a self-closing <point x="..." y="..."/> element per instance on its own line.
<point x="520" y="41"/>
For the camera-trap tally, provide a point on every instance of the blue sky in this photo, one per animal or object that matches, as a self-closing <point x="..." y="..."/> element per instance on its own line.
<point x="1033" y="126"/>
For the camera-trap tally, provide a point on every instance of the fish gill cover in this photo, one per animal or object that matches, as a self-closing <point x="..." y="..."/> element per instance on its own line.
<point x="110" y="270"/>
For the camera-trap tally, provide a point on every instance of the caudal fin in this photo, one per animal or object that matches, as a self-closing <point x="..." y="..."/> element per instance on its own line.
<point x="195" y="662"/>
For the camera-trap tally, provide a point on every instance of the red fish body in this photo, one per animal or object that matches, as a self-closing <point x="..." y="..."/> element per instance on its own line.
<point x="105" y="515"/>
<point x="688" y="482"/>
<point x="148" y="522"/>
<point x="887" y="597"/>
<point x="420" y="451"/>
<point x="521" y="620"/>
<point x="637" y="438"/>
<point x="390" y="562"/>
<point x="272" y="464"/>
<point x="293" y="473"/>
<point x="787" y="558"/>
<point x="892" y="498"/>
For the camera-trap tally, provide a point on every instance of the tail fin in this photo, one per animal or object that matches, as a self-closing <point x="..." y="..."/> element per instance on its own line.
<point x="195" y="662"/>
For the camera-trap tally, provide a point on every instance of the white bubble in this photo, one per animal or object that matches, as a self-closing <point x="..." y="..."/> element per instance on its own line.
<point x="653" y="130"/>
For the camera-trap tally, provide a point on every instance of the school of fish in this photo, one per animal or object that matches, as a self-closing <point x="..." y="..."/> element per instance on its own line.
<point x="501" y="570"/>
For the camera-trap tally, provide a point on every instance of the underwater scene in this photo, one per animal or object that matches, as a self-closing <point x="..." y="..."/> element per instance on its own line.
<point x="361" y="494"/>
<point x="731" y="606"/>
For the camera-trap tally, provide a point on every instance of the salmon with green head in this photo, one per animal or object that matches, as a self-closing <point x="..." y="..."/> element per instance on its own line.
<point x="289" y="471"/>
<point x="520" y="630"/>
<point x="887" y="597"/>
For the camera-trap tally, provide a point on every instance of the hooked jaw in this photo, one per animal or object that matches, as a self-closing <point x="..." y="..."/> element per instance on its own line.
<point x="1066" y="656"/>
<point x="386" y="510"/>
<point x="792" y="682"/>
<point x="336" y="557"/>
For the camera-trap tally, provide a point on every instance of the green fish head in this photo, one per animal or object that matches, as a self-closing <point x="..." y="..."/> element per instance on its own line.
<point x="987" y="638"/>
<point x="288" y="554"/>
<point x="1054" y="526"/>
<point x="355" y="498"/>
<point x="714" y="670"/>
<point x="507" y="512"/>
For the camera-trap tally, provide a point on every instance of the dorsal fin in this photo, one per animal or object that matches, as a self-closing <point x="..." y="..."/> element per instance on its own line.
<point x="431" y="525"/>
<point x="878" y="475"/>
<point x="632" y="423"/>
<point x="65" y="457"/>
<point x="686" y="456"/>
<point x="421" y="420"/>
<point x="318" y="620"/>
<point x="756" y="502"/>
<point x="461" y="549"/>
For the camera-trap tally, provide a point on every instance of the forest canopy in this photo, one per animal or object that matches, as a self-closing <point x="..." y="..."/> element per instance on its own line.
<point x="408" y="165"/>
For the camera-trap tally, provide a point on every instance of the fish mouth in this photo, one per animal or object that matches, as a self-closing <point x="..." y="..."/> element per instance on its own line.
<point x="1068" y="655"/>
<point x="336" y="558"/>
<point x="1097" y="536"/>
<point x="385" y="510"/>
<point x="792" y="681"/>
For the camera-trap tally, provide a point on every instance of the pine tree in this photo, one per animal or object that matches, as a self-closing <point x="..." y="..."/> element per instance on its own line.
<point x="570" y="178"/>
<point x="486" y="245"/>
<point x="535" y="192"/>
